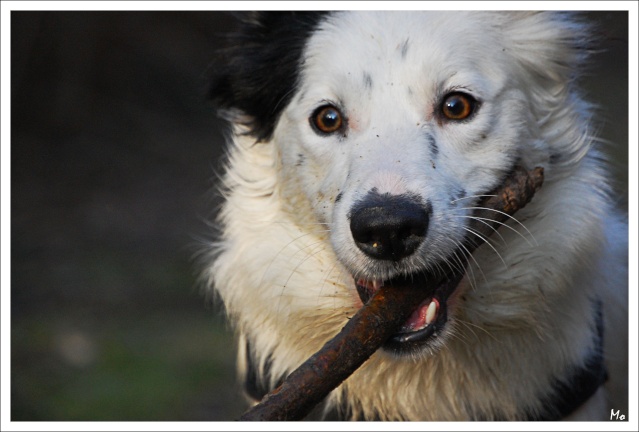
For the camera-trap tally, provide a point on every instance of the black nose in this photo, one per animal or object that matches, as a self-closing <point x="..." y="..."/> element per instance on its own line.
<point x="389" y="227"/>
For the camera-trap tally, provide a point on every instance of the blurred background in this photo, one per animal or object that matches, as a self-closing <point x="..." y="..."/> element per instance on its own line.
<point x="114" y="153"/>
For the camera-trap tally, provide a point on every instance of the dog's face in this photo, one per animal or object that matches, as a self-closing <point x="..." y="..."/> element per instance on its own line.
<point x="396" y="130"/>
<point x="389" y="127"/>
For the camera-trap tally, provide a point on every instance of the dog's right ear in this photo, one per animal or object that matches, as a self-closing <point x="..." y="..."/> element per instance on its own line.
<point x="552" y="46"/>
<point x="254" y="77"/>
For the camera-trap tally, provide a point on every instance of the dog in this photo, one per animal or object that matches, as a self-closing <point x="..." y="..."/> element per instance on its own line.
<point x="360" y="144"/>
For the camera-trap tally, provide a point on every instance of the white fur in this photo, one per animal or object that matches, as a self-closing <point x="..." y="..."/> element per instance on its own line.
<point x="286" y="260"/>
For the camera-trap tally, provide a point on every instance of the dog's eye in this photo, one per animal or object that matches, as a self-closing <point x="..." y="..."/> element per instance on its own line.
<point x="458" y="106"/>
<point x="326" y="119"/>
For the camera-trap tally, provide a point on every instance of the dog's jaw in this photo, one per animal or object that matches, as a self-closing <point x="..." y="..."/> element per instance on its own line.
<point x="421" y="331"/>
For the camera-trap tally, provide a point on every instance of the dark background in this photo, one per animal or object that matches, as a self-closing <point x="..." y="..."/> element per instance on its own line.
<point x="113" y="155"/>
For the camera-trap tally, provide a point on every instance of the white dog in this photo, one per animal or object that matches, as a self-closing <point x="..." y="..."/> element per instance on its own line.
<point x="361" y="143"/>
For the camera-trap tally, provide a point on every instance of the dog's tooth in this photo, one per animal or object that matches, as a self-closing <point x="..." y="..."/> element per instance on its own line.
<point x="377" y="284"/>
<point x="431" y="312"/>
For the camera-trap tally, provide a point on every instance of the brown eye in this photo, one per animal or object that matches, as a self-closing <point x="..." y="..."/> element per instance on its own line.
<point x="458" y="106"/>
<point x="326" y="119"/>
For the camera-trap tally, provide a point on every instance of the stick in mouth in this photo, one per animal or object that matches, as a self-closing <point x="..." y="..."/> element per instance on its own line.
<point x="383" y="315"/>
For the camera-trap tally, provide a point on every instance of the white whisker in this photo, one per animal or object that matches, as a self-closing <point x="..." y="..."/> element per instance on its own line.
<point x="470" y="255"/>
<point x="287" y="245"/>
<point x="469" y="325"/>
<point x="487" y="241"/>
<point x="481" y="219"/>
<point x="486" y="222"/>
<point x="505" y="214"/>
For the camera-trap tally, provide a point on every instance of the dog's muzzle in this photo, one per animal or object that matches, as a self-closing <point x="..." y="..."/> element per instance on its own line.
<point x="388" y="227"/>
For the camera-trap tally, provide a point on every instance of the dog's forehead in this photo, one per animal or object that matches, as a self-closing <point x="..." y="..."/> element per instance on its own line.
<point x="425" y="47"/>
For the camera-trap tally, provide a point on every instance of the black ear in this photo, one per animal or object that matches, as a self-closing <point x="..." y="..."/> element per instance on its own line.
<point x="255" y="75"/>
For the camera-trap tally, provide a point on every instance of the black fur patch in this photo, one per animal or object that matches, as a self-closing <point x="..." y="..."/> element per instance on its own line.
<point x="254" y="78"/>
<point x="256" y="385"/>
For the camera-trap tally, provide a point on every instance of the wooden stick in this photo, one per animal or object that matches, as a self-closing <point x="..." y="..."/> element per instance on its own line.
<point x="383" y="314"/>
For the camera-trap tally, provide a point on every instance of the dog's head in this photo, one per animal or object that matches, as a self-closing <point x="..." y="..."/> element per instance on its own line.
<point x="388" y="131"/>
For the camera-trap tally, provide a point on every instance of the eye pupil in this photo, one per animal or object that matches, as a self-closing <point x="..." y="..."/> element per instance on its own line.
<point x="327" y="119"/>
<point x="458" y="106"/>
<point x="455" y="106"/>
<point x="330" y="118"/>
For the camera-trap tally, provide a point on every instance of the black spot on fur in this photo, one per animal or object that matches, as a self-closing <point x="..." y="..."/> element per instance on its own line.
<point x="432" y="144"/>
<point x="555" y="158"/>
<point x="254" y="78"/>
<point x="338" y="198"/>
<point x="368" y="80"/>
<point x="458" y="194"/>
<point x="404" y="48"/>
<point x="301" y="159"/>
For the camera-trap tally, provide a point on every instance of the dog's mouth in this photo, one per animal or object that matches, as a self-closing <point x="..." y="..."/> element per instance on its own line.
<point x="426" y="322"/>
